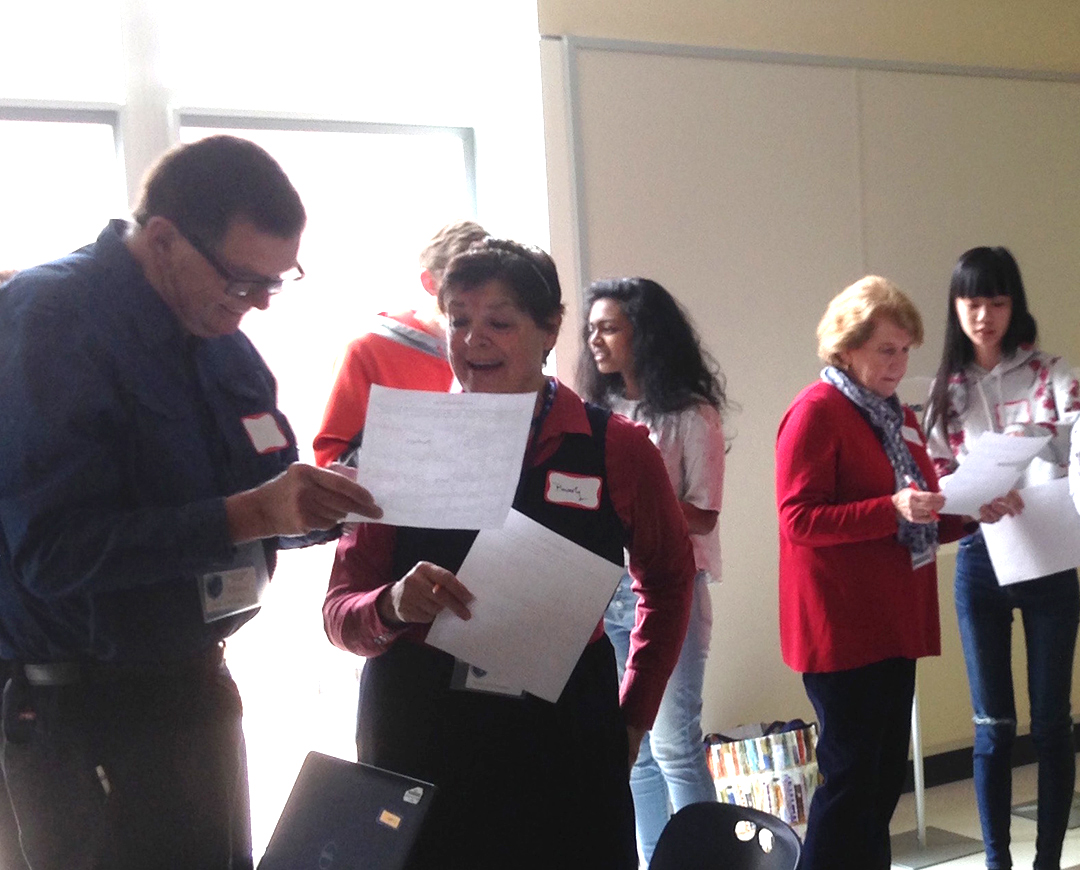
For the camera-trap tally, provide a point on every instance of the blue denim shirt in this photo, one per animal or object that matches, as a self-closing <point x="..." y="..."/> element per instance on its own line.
<point x="120" y="436"/>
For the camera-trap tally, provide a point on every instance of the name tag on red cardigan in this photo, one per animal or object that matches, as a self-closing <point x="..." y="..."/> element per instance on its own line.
<point x="265" y="433"/>
<point x="573" y="490"/>
<point x="911" y="435"/>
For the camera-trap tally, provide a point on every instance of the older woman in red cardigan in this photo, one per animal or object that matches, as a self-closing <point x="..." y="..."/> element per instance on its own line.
<point x="858" y="503"/>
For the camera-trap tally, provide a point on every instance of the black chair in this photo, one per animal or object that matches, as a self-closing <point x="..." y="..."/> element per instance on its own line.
<point x="717" y="836"/>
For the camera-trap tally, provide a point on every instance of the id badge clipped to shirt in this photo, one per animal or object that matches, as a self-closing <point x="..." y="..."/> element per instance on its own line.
<point x="235" y="586"/>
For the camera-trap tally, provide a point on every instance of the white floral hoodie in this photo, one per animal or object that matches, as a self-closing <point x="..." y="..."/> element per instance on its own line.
<point x="1030" y="392"/>
<point x="1074" y="466"/>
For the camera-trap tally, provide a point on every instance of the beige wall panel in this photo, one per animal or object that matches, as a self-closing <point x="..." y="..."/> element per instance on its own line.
<point x="953" y="162"/>
<point x="1018" y="34"/>
<point x="755" y="190"/>
<point x="949" y="163"/>
<point x="562" y="200"/>
<point x="694" y="174"/>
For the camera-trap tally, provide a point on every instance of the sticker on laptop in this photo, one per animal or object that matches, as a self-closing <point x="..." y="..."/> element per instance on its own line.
<point x="391" y="820"/>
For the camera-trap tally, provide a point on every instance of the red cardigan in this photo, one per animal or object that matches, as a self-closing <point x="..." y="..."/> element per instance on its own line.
<point x="848" y="594"/>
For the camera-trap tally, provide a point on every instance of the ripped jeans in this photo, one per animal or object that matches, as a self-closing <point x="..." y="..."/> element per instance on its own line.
<point x="1050" y="611"/>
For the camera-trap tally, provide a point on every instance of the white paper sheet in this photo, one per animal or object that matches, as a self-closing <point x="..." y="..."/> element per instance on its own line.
<point x="538" y="598"/>
<point x="443" y="460"/>
<point x="1042" y="539"/>
<point x="991" y="468"/>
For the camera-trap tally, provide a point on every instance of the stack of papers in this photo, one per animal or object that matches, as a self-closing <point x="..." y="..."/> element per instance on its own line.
<point x="529" y="624"/>
<point x="443" y="460"/>
<point x="1044" y="537"/>
<point x="991" y="468"/>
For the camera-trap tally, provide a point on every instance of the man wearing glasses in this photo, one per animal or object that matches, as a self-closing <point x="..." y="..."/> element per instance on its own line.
<point x="147" y="480"/>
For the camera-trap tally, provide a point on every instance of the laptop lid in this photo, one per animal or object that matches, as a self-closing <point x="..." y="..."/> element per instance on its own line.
<point x="341" y="815"/>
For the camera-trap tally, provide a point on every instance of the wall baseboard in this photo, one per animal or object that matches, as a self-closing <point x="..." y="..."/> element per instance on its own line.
<point x="946" y="767"/>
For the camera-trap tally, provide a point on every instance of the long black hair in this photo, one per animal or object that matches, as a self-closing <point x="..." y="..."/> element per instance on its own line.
<point x="986" y="272"/>
<point x="672" y="369"/>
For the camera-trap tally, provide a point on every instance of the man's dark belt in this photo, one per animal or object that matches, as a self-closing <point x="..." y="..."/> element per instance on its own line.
<point x="53" y="673"/>
<point x="70" y="673"/>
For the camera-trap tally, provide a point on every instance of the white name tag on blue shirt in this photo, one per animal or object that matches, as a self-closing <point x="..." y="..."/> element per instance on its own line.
<point x="265" y="433"/>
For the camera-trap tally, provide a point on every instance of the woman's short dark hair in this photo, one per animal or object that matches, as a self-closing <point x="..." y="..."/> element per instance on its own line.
<point x="987" y="272"/>
<point x="672" y="369"/>
<point x="202" y="186"/>
<point x="528" y="273"/>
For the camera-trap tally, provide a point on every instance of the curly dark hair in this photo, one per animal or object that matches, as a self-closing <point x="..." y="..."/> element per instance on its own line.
<point x="672" y="369"/>
<point x="987" y="272"/>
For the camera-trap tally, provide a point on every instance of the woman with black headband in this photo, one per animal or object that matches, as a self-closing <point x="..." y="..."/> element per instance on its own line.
<point x="522" y="782"/>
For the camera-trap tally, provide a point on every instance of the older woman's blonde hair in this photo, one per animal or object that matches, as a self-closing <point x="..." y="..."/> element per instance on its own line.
<point x="850" y="319"/>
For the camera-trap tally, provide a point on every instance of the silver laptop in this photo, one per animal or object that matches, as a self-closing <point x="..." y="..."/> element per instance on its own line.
<point x="341" y="815"/>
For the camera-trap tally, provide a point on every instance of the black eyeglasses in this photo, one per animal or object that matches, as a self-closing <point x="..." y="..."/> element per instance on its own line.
<point x="242" y="288"/>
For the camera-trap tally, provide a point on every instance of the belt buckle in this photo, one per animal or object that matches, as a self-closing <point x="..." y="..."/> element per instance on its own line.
<point x="52" y="673"/>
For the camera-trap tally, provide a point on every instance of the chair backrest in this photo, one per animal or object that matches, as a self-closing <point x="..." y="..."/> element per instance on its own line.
<point x="718" y="836"/>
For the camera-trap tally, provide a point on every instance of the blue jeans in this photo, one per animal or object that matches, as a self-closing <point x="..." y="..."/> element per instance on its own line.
<point x="670" y="771"/>
<point x="1050" y="610"/>
<point x="864" y="728"/>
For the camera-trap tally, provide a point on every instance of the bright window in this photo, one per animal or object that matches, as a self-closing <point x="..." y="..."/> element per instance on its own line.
<point x="62" y="50"/>
<point x="61" y="182"/>
<point x="417" y="87"/>
<point x="374" y="196"/>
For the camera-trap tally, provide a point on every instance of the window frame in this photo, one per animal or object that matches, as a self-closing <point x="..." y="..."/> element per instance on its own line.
<point x="240" y="119"/>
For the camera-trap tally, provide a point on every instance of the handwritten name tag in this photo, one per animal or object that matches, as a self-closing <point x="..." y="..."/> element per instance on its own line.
<point x="265" y="433"/>
<point x="573" y="490"/>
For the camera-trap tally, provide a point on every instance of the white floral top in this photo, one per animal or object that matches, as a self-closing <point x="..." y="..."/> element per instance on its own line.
<point x="1074" y="465"/>
<point x="1031" y="393"/>
<point x="692" y="444"/>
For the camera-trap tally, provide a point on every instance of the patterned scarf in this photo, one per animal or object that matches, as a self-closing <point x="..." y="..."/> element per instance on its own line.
<point x="886" y="416"/>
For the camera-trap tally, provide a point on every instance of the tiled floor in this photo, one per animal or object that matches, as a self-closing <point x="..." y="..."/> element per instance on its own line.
<point x="952" y="808"/>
